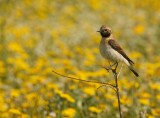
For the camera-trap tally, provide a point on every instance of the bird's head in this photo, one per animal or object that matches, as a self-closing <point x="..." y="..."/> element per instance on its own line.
<point x="105" y="31"/>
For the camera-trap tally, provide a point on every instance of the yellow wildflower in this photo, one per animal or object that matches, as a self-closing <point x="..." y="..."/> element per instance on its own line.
<point x="95" y="4"/>
<point x="155" y="86"/>
<point x="89" y="90"/>
<point x="28" y="2"/>
<point x="52" y="86"/>
<point x="32" y="96"/>
<point x="144" y="95"/>
<point x="158" y="97"/>
<point x="69" y="10"/>
<point x="15" y="47"/>
<point x="82" y="74"/>
<point x="3" y="105"/>
<point x="21" y="31"/>
<point x="94" y="109"/>
<point x="110" y="96"/>
<point x="65" y="96"/>
<point x="144" y="101"/>
<point x="21" y="64"/>
<point x="25" y="105"/>
<point x="156" y="112"/>
<point x="2" y="67"/>
<point x="150" y="116"/>
<point x="99" y="73"/>
<point x="72" y="87"/>
<point x="135" y="55"/>
<point x="102" y="106"/>
<point x="115" y="104"/>
<point x="68" y="97"/>
<point x="69" y="112"/>
<point x="24" y="115"/>
<point x="15" y="93"/>
<point x="136" y="84"/>
<point x="139" y="29"/>
<point x="152" y="68"/>
<point x="90" y="59"/>
<point x="15" y="111"/>
<point x="126" y="101"/>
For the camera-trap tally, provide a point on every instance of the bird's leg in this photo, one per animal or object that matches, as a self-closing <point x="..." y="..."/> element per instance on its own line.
<point x="114" y="70"/>
<point x="110" y="67"/>
<point x="109" y="63"/>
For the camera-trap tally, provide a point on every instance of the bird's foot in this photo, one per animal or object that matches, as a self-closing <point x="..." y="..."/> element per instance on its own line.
<point x="110" y="67"/>
<point x="107" y="68"/>
<point x="114" y="71"/>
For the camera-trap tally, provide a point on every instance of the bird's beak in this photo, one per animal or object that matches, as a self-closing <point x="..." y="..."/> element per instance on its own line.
<point x="98" y="31"/>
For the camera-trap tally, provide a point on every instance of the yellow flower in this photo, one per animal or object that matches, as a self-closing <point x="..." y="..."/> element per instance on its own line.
<point x="155" y="86"/>
<point x="15" y="93"/>
<point x="144" y="101"/>
<point x="158" y="97"/>
<point x="90" y="58"/>
<point x="21" y="64"/>
<point x="3" y="105"/>
<point x="126" y="83"/>
<point x="21" y="31"/>
<point x="115" y="104"/>
<point x="150" y="68"/>
<point x="65" y="96"/>
<point x="15" y="111"/>
<point x="95" y="4"/>
<point x="69" y="9"/>
<point x="139" y="29"/>
<point x="150" y="116"/>
<point x="94" y="109"/>
<point x="52" y="86"/>
<point x="72" y="87"/>
<point x="89" y="90"/>
<point x="126" y="101"/>
<point x="2" y="67"/>
<point x="156" y="112"/>
<point x="15" y="47"/>
<point x="68" y="97"/>
<point x="69" y="112"/>
<point x="27" y="2"/>
<point x="144" y="95"/>
<point x="32" y="96"/>
<point x="99" y="73"/>
<point x="135" y="55"/>
<point x="110" y="96"/>
<point x="82" y="75"/>
<point x="24" y="116"/>
<point x="26" y="105"/>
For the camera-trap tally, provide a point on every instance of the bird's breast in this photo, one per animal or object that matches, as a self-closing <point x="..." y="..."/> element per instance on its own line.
<point x="108" y="52"/>
<point x="105" y="49"/>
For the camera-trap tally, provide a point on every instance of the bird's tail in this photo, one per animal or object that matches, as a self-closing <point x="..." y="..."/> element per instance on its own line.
<point x="134" y="72"/>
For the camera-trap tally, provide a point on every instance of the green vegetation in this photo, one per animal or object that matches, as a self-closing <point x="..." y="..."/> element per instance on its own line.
<point x="37" y="36"/>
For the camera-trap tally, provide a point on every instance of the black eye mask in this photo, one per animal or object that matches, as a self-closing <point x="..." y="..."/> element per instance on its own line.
<point x="105" y="34"/>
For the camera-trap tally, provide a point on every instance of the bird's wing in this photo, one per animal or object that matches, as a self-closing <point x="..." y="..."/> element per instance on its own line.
<point x="117" y="47"/>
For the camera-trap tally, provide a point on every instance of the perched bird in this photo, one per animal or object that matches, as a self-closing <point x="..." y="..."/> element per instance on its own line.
<point x="112" y="51"/>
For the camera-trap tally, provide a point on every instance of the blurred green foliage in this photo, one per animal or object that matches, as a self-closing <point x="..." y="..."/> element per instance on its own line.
<point x="41" y="35"/>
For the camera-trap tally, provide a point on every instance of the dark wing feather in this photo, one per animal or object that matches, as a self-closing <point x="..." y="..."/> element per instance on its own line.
<point x="117" y="47"/>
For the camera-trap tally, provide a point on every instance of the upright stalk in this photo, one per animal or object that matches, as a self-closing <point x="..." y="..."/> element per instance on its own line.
<point x="116" y="75"/>
<point x="118" y="96"/>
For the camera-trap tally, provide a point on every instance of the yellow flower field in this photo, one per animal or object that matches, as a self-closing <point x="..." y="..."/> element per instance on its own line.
<point x="38" y="36"/>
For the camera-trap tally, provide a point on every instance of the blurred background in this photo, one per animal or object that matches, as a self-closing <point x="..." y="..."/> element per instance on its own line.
<point x="41" y="35"/>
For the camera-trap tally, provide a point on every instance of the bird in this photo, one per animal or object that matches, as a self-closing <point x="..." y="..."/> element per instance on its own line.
<point x="112" y="51"/>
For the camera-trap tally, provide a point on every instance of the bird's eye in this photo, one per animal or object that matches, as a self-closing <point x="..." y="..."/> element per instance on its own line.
<point x="105" y="30"/>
